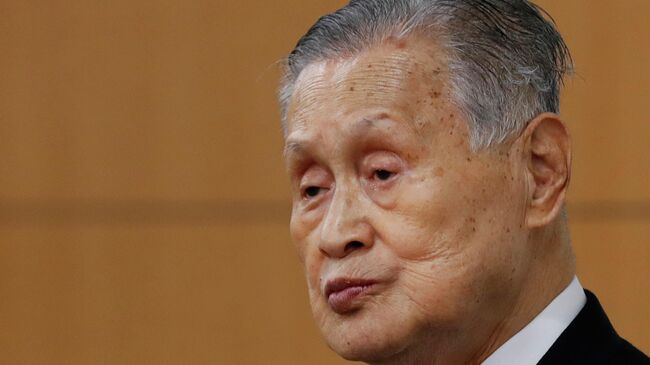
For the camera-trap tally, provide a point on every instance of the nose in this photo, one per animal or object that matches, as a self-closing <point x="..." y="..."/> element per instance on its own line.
<point x="345" y="228"/>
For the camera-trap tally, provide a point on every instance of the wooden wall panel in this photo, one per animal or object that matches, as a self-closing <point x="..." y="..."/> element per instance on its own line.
<point x="603" y="101"/>
<point x="152" y="294"/>
<point x="613" y="262"/>
<point x="143" y="202"/>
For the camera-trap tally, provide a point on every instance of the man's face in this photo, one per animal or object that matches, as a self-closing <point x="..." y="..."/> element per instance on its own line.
<point x="404" y="233"/>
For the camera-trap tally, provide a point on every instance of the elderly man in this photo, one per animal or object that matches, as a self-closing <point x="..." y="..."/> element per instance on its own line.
<point x="429" y="169"/>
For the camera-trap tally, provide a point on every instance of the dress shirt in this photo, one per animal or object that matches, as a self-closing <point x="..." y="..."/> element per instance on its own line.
<point x="531" y="343"/>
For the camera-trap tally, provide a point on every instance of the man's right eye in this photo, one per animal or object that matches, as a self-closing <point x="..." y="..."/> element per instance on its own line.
<point x="311" y="192"/>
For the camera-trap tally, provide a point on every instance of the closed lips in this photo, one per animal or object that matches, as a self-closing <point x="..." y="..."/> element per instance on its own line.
<point x="337" y="285"/>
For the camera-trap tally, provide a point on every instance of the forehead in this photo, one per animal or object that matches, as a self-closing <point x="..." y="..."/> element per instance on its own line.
<point x="406" y="78"/>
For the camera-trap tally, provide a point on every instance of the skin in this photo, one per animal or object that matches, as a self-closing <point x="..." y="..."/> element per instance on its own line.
<point x="466" y="247"/>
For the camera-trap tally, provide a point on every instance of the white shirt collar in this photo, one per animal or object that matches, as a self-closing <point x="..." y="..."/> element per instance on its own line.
<point x="530" y="344"/>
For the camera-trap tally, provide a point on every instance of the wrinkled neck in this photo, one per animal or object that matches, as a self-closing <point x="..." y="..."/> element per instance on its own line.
<point x="552" y="268"/>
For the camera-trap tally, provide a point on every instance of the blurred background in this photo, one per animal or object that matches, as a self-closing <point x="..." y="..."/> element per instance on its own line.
<point x="143" y="202"/>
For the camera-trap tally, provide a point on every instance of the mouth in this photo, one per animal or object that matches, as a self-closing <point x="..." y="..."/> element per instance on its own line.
<point x="344" y="294"/>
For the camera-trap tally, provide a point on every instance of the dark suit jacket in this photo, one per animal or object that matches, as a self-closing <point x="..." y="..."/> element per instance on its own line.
<point x="591" y="340"/>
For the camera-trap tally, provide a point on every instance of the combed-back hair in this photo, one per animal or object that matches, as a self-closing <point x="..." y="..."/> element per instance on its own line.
<point x="506" y="58"/>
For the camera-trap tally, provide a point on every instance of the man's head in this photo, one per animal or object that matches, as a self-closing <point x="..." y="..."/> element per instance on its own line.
<point x="428" y="169"/>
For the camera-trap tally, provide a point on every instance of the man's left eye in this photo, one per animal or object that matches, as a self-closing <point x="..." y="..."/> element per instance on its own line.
<point x="383" y="174"/>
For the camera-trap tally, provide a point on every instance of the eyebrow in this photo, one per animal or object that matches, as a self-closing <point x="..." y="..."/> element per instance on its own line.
<point x="293" y="147"/>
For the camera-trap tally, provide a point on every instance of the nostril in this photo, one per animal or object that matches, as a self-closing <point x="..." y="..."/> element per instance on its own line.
<point x="353" y="246"/>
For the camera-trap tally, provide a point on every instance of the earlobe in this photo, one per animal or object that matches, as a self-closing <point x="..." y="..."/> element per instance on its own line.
<point x="548" y="164"/>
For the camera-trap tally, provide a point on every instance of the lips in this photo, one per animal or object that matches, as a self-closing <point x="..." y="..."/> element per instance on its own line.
<point x="343" y="295"/>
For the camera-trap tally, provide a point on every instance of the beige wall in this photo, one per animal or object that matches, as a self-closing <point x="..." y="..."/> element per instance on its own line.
<point x="143" y="202"/>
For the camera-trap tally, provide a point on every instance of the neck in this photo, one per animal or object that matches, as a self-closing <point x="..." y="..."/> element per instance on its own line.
<point x="552" y="267"/>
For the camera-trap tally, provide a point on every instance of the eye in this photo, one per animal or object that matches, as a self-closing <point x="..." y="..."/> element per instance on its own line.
<point x="314" y="183"/>
<point x="311" y="192"/>
<point x="383" y="174"/>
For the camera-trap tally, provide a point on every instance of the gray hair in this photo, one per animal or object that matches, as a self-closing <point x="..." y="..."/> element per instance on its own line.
<point x="506" y="60"/>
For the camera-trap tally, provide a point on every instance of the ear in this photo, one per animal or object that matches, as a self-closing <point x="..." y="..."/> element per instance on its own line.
<point x="547" y="153"/>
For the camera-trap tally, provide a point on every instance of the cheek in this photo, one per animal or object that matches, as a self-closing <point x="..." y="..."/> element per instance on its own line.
<point x="298" y="234"/>
<point x="416" y="238"/>
<point x="418" y="226"/>
<point x="303" y="232"/>
<point x="443" y="212"/>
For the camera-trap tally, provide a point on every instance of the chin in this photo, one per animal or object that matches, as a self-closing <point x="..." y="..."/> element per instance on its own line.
<point x="366" y="336"/>
<point x="367" y="350"/>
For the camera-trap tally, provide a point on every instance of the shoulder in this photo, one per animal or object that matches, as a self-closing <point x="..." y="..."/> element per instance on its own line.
<point x="626" y="353"/>
<point x="591" y="339"/>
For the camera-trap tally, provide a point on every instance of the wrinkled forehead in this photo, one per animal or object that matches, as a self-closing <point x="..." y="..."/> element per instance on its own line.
<point x="403" y="77"/>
